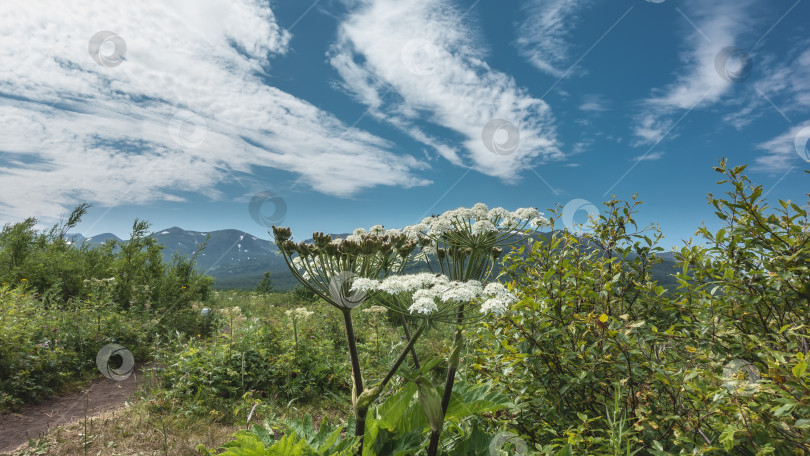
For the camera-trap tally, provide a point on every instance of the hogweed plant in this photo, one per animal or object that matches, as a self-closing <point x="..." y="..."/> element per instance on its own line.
<point x="464" y="244"/>
<point x="460" y="247"/>
<point x="433" y="299"/>
<point x="297" y="315"/>
<point x="328" y="266"/>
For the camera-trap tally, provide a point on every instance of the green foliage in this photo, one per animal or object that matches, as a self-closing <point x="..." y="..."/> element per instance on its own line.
<point x="304" y="294"/>
<point x="301" y="439"/>
<point x="394" y="427"/>
<point x="602" y="360"/>
<point x="60" y="303"/>
<point x="57" y="271"/>
<point x="44" y="350"/>
<point x="205" y="377"/>
<point x="266" y="284"/>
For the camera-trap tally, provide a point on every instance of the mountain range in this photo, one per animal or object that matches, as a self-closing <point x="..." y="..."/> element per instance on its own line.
<point x="236" y="259"/>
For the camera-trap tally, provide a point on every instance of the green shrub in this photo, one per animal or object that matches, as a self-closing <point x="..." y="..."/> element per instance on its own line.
<point x="60" y="303"/>
<point x="591" y="325"/>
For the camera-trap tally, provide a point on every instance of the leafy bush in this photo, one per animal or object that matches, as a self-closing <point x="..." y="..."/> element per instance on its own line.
<point x="251" y="358"/>
<point x="60" y="303"/>
<point x="44" y="350"/>
<point x="58" y="271"/>
<point x="591" y="326"/>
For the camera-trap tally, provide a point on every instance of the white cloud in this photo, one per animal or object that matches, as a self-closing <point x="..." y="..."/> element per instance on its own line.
<point x="543" y="36"/>
<point x="713" y="27"/>
<point x="649" y="157"/>
<point x="780" y="153"/>
<point x="416" y="61"/>
<point x="77" y="130"/>
<point x="783" y="89"/>
<point x="651" y="129"/>
<point x="593" y="103"/>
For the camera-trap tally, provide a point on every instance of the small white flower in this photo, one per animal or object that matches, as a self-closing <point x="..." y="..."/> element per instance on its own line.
<point x="483" y="227"/>
<point x="424" y="302"/>
<point x="497" y="306"/>
<point x="460" y="213"/>
<point x="301" y="313"/>
<point x="364" y="284"/>
<point x="479" y="211"/>
<point x="440" y="226"/>
<point x="359" y="231"/>
<point x="375" y="310"/>
<point x="498" y="213"/>
<point x="495" y="288"/>
<point x="509" y="222"/>
<point x="527" y="213"/>
<point x="462" y="291"/>
<point x="377" y="230"/>
<point x="413" y="231"/>
<point x="539" y="222"/>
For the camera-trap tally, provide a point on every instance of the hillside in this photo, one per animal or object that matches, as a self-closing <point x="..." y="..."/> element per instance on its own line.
<point x="238" y="260"/>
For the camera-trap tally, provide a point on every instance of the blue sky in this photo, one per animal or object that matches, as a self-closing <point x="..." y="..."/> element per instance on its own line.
<point x="328" y="115"/>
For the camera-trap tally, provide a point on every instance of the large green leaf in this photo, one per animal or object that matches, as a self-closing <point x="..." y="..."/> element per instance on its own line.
<point x="470" y="399"/>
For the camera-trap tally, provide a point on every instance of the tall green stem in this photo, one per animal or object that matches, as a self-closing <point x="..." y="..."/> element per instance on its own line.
<point x="408" y="336"/>
<point x="360" y="412"/>
<point x="402" y="356"/>
<point x="452" y="367"/>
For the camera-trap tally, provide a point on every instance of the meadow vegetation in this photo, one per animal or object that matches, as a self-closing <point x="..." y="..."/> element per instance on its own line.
<point x="572" y="350"/>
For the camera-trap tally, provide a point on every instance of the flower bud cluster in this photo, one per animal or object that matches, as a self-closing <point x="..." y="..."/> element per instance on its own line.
<point x="428" y="291"/>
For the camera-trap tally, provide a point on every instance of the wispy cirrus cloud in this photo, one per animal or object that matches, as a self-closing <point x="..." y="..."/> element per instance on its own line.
<point x="657" y="155"/>
<point x="782" y="89"/>
<point x="544" y="35"/>
<point x="785" y="150"/>
<point x="417" y="66"/>
<point x="594" y="103"/>
<point x="78" y="130"/>
<point x="708" y="28"/>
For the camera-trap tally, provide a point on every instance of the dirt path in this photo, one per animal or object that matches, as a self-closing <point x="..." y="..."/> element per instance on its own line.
<point x="35" y="420"/>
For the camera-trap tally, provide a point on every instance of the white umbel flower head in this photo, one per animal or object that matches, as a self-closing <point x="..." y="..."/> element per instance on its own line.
<point x="539" y="222"/>
<point x="483" y="227"/>
<point x="440" y="225"/>
<point x="479" y="211"/>
<point x="527" y="213"/>
<point x="375" y="310"/>
<point x="364" y="284"/>
<point x="499" y="301"/>
<point x="413" y="231"/>
<point x="497" y="213"/>
<point x="377" y="230"/>
<point x="462" y="291"/>
<point x="497" y="306"/>
<point x="424" y="302"/>
<point x="300" y="312"/>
